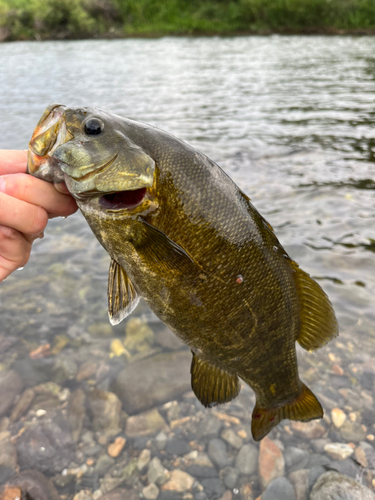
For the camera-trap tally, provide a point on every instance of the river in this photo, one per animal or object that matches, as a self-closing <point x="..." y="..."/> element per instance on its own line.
<point x="292" y="120"/>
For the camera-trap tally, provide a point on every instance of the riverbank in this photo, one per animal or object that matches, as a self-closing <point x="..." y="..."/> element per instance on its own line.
<point x="78" y="19"/>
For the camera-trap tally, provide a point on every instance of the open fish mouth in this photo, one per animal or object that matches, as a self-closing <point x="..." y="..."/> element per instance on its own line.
<point x="123" y="199"/>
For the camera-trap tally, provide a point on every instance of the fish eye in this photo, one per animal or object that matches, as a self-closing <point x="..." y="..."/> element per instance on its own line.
<point x="93" y="126"/>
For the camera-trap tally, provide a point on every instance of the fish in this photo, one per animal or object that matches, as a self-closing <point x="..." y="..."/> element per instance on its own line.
<point x="182" y="235"/>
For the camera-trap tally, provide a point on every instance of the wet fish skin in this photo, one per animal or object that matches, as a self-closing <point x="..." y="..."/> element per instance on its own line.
<point x="204" y="259"/>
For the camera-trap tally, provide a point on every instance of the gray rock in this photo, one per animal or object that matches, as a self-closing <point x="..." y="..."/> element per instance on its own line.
<point x="319" y="444"/>
<point x="150" y="492"/>
<point x="34" y="485"/>
<point x="106" y="408"/>
<point x="347" y="467"/>
<point x="247" y="459"/>
<point x="335" y="486"/>
<point x="5" y="473"/>
<point x="22" y="405"/>
<point x="230" y="477"/>
<point x="209" y="427"/>
<point x="280" y="489"/>
<point x="316" y="459"/>
<point x="178" y="447"/>
<point x="232" y="438"/>
<point x="46" y="446"/>
<point x="8" y="454"/>
<point x="201" y="495"/>
<point x="300" y="482"/>
<point x="104" y="463"/>
<point x="10" y="387"/>
<point x="76" y="413"/>
<point x="143" y="460"/>
<point x="65" y="369"/>
<point x="166" y="338"/>
<point x="145" y="424"/>
<point x="352" y="431"/>
<point x="213" y="487"/>
<point x="201" y="471"/>
<point x="295" y="458"/>
<point x="161" y="441"/>
<point x="157" y="473"/>
<point x="121" y="494"/>
<point x="314" y="474"/>
<point x="217" y="451"/>
<point x="153" y="381"/>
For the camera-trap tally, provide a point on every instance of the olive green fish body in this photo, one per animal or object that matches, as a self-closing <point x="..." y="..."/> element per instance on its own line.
<point x="207" y="263"/>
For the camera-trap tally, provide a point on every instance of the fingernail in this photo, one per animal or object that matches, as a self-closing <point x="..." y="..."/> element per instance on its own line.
<point x="3" y="185"/>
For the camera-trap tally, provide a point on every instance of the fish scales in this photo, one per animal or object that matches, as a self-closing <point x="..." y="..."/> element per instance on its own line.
<point x="184" y="237"/>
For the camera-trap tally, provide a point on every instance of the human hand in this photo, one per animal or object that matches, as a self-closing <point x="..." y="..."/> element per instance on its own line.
<point x="26" y="204"/>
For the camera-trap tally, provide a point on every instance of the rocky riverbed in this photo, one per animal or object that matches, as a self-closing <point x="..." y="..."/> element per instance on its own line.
<point x="104" y="414"/>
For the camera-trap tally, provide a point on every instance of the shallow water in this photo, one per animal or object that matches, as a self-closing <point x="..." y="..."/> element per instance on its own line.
<point x="291" y="120"/>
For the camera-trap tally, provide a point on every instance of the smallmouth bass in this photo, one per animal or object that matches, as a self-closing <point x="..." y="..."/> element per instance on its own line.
<point x="184" y="237"/>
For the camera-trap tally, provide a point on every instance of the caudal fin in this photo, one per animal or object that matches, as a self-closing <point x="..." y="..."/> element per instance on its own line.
<point x="304" y="408"/>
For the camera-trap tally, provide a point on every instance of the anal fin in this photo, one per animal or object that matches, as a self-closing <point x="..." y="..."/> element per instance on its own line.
<point x="211" y="385"/>
<point x="318" y="320"/>
<point x="304" y="408"/>
<point x="122" y="296"/>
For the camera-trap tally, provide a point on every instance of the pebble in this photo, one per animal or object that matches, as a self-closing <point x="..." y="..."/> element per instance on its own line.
<point x="338" y="417"/>
<point x="352" y="431"/>
<point x="335" y="486"/>
<point x="300" y="482"/>
<point x="143" y="460"/>
<point x="213" y="487"/>
<point x="86" y="370"/>
<point x="10" y="493"/>
<point x="145" y="424"/>
<point x="106" y="409"/>
<point x="34" y="485"/>
<point x="150" y="492"/>
<point x="338" y="451"/>
<point x="271" y="462"/>
<point x="209" y="427"/>
<point x="115" y="448"/>
<point x="157" y="473"/>
<point x="227" y="496"/>
<point x="201" y="471"/>
<point x="177" y="446"/>
<point x="161" y="441"/>
<point x="179" y="481"/>
<point x="314" y="474"/>
<point x="82" y="495"/>
<point x="280" y="489"/>
<point x="247" y="459"/>
<point x="308" y="430"/>
<point x="22" y="405"/>
<point x="232" y="438"/>
<point x="217" y="451"/>
<point x="103" y="464"/>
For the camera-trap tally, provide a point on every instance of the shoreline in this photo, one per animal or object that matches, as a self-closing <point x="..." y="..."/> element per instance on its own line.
<point x="329" y="32"/>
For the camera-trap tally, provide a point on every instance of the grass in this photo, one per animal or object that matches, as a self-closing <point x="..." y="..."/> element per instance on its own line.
<point x="45" y="19"/>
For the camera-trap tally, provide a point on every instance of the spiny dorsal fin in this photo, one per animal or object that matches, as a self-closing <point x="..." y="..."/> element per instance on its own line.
<point x="211" y="385"/>
<point x="122" y="296"/>
<point x="161" y="251"/>
<point x="304" y="408"/>
<point x="318" y="320"/>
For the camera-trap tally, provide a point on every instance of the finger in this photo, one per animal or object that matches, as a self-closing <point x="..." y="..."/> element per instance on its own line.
<point x="61" y="188"/>
<point x="12" y="161"/>
<point x="14" y="251"/>
<point x="38" y="192"/>
<point x="25" y="217"/>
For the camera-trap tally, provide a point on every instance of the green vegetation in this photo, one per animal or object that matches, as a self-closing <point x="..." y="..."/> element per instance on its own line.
<point x="41" y="19"/>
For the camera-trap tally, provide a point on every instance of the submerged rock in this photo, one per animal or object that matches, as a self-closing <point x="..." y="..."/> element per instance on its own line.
<point x="271" y="462"/>
<point x="145" y="424"/>
<point x="247" y="459"/>
<point x="106" y="408"/>
<point x="76" y="413"/>
<point x="34" y="485"/>
<point x="335" y="486"/>
<point x="10" y="386"/>
<point x="280" y="489"/>
<point x="153" y="381"/>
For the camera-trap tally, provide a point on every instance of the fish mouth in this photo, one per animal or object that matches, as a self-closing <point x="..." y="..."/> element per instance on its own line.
<point x="121" y="200"/>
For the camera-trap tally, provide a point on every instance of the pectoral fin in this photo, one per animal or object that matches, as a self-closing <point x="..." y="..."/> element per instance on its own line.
<point x="160" y="251"/>
<point x="122" y="296"/>
<point x="318" y="320"/>
<point x="211" y="385"/>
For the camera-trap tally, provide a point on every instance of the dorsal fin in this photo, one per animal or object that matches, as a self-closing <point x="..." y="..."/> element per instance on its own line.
<point x="122" y="296"/>
<point x="318" y="320"/>
<point x="211" y="385"/>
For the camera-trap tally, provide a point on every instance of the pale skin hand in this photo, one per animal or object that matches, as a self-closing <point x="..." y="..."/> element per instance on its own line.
<point x="26" y="204"/>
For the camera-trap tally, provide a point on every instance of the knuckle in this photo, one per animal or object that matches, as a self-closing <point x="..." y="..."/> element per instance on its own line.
<point x="39" y="221"/>
<point x="8" y="233"/>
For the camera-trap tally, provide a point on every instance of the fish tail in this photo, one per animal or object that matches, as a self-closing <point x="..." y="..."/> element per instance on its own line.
<point x="304" y="407"/>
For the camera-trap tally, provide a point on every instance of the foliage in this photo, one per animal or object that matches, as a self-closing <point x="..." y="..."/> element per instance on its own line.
<point x="23" y="19"/>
